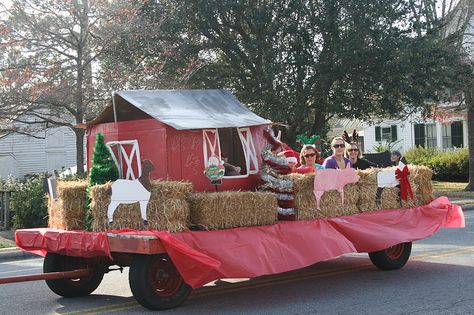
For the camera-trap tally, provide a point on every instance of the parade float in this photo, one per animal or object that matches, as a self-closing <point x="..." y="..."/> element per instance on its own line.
<point x="203" y="192"/>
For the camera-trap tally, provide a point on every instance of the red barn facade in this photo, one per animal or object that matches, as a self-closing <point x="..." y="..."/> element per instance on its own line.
<point x="179" y="130"/>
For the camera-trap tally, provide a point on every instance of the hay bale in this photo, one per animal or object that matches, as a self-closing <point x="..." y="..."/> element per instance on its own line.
<point x="330" y="203"/>
<point x="67" y="211"/>
<point x="420" y="176"/>
<point x="420" y="182"/>
<point x="166" y="210"/>
<point x="390" y="198"/>
<point x="230" y="209"/>
<point x="360" y="197"/>
<point x="411" y="203"/>
<point x="367" y="189"/>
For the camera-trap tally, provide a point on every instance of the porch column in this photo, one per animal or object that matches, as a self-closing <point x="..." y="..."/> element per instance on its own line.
<point x="439" y="134"/>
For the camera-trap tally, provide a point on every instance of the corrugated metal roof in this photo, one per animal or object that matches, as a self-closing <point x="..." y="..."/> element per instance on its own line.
<point x="188" y="109"/>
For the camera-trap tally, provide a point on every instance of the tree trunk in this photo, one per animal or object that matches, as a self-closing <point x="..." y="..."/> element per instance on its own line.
<point x="80" y="149"/>
<point x="470" y="128"/>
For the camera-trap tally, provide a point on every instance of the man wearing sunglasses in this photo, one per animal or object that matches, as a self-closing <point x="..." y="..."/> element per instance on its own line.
<point x="337" y="159"/>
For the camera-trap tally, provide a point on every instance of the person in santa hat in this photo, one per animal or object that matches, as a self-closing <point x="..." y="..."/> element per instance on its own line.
<point x="291" y="158"/>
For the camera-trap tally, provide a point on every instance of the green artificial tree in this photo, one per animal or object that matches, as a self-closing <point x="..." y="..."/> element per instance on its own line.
<point x="102" y="171"/>
<point x="103" y="167"/>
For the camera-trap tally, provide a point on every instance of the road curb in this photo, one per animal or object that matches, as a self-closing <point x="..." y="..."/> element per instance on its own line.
<point x="468" y="207"/>
<point x="15" y="254"/>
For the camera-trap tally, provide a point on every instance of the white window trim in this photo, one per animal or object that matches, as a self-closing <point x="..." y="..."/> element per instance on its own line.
<point x="249" y="150"/>
<point x="212" y="145"/>
<point x="247" y="146"/>
<point x="128" y="158"/>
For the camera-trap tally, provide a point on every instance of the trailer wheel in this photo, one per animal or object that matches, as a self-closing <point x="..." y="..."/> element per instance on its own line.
<point x="155" y="282"/>
<point x="72" y="287"/>
<point x="391" y="258"/>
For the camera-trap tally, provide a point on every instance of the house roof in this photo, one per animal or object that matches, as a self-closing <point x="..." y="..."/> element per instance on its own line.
<point x="181" y="109"/>
<point x="339" y="125"/>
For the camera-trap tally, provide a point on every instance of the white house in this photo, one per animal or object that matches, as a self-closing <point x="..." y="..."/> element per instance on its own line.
<point x="21" y="155"/>
<point x="445" y="129"/>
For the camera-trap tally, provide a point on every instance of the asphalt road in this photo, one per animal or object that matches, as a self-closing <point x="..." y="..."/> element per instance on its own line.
<point x="438" y="279"/>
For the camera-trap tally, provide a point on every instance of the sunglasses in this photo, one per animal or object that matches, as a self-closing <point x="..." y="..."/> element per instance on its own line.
<point x="353" y="150"/>
<point x="309" y="155"/>
<point x="339" y="146"/>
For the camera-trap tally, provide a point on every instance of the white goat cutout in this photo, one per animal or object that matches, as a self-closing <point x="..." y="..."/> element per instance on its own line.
<point x="122" y="153"/>
<point x="125" y="191"/>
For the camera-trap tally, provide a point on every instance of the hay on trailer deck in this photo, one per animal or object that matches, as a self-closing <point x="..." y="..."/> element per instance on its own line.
<point x="390" y="198"/>
<point x="230" y="209"/>
<point x="367" y="189"/>
<point x="330" y="203"/>
<point x="360" y="197"/>
<point x="67" y="211"/>
<point x="420" y="182"/>
<point x="420" y="176"/>
<point x="167" y="208"/>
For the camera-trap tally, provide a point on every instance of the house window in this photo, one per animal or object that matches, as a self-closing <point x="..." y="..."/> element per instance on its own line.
<point x="431" y="135"/>
<point x="419" y="135"/>
<point x="453" y="135"/>
<point x="388" y="134"/>
<point x="457" y="134"/>
<point x="447" y="136"/>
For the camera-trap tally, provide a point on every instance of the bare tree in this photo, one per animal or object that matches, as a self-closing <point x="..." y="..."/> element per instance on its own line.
<point x="50" y="54"/>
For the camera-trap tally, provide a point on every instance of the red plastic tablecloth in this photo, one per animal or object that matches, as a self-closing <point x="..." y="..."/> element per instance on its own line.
<point x="204" y="256"/>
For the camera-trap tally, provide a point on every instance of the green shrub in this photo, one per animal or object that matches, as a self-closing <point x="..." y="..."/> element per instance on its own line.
<point x="446" y="165"/>
<point x="420" y="156"/>
<point x="28" y="203"/>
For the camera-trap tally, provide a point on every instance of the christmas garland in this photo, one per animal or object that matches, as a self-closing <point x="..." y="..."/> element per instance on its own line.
<point x="273" y="167"/>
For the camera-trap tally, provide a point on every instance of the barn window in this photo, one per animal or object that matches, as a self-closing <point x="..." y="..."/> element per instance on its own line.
<point x="232" y="152"/>
<point x="233" y="146"/>
<point x="124" y="153"/>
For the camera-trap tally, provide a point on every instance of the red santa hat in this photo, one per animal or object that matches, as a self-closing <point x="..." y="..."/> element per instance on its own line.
<point x="292" y="159"/>
<point x="291" y="156"/>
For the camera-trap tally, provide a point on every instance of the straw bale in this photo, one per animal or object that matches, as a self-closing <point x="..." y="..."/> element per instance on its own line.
<point x="166" y="210"/>
<point x="67" y="211"/>
<point x="420" y="181"/>
<point x="367" y="189"/>
<point x="420" y="176"/>
<point x="230" y="209"/>
<point x="411" y="203"/>
<point x="390" y="198"/>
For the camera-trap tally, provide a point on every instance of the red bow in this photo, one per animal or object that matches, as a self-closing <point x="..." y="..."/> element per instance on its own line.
<point x="405" y="187"/>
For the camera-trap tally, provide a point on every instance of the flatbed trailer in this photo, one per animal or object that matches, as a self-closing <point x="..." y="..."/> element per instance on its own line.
<point x="165" y="267"/>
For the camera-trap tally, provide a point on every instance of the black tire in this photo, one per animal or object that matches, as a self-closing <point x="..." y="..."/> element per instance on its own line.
<point x="392" y="258"/>
<point x="155" y="282"/>
<point x="72" y="287"/>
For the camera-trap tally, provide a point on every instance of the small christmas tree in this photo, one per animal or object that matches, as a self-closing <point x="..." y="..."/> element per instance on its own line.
<point x="103" y="167"/>
<point x="103" y="170"/>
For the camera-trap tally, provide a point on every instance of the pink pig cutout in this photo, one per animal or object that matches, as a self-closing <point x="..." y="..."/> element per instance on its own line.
<point x="332" y="179"/>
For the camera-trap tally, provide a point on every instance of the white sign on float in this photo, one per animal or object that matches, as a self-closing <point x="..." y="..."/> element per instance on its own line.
<point x="388" y="178"/>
